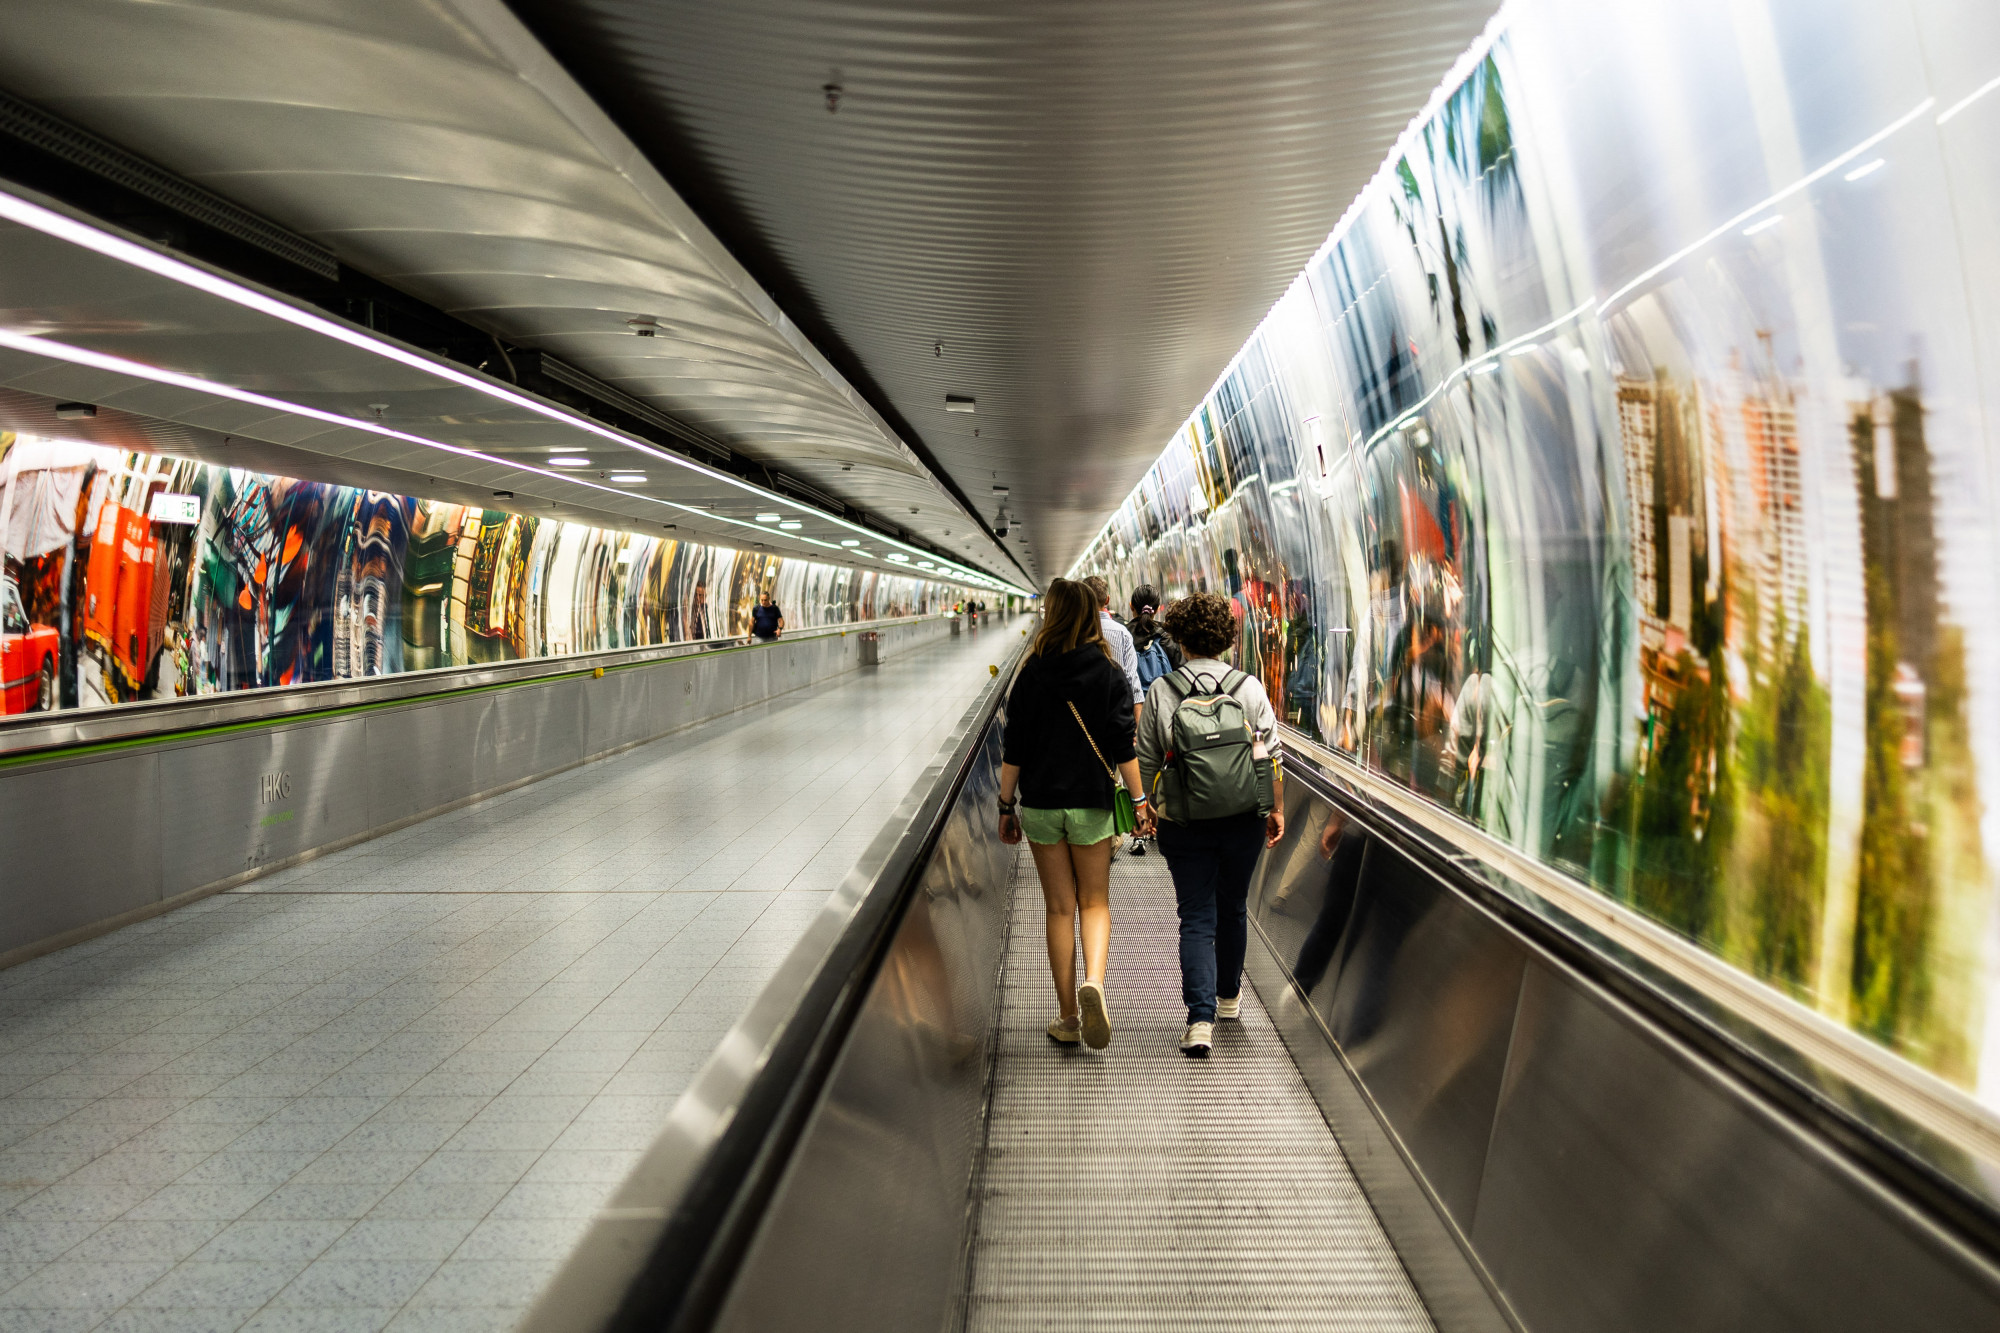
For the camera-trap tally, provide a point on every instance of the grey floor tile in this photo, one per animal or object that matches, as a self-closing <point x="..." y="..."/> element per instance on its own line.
<point x="402" y="1240"/>
<point x="220" y="1285"/>
<point x="339" y="1283"/>
<point x="277" y="1318"/>
<point x="339" y="1061"/>
<point x="97" y="1284"/>
<point x="266" y="1240"/>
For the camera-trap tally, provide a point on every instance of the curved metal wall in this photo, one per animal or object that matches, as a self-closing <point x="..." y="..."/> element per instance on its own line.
<point x="1619" y="478"/>
<point x="98" y="835"/>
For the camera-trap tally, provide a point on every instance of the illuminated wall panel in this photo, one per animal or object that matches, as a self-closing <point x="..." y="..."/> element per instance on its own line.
<point x="237" y="580"/>
<point x="1620" y="476"/>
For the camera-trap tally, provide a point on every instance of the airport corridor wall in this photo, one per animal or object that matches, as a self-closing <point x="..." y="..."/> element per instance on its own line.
<point x="99" y="835"/>
<point x="134" y="576"/>
<point x="1620" y="477"/>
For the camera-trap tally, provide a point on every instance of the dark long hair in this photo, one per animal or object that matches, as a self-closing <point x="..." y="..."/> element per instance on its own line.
<point x="1069" y="620"/>
<point x="1145" y="602"/>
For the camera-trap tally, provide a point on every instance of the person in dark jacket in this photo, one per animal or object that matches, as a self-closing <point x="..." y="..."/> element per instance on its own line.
<point x="767" y="622"/>
<point x="1069" y="729"/>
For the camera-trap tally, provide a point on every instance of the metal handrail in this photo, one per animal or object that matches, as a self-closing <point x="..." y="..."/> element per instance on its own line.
<point x="163" y="718"/>
<point x="662" y="1254"/>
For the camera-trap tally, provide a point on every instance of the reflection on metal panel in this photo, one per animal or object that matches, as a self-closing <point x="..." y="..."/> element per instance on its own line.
<point x="1598" y="1169"/>
<point x="895" y="1137"/>
<point x="205" y="810"/>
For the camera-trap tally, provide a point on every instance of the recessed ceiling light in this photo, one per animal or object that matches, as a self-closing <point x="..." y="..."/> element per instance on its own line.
<point x="791" y="525"/>
<point x="628" y="478"/>
<point x="570" y="460"/>
<point x="900" y="559"/>
<point x="767" y="518"/>
<point x="850" y="542"/>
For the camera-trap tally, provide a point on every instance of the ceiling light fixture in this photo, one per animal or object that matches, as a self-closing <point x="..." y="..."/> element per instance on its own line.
<point x="959" y="402"/>
<point x="768" y="518"/>
<point x="628" y="478"/>
<point x="791" y="525"/>
<point x="849" y="541"/>
<point x="570" y="460"/>
<point x="82" y="234"/>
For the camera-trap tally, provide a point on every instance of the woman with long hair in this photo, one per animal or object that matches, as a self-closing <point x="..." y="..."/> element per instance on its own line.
<point x="1069" y="730"/>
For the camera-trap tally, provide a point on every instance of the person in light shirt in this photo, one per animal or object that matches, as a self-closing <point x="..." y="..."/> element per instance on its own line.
<point x="1118" y="638"/>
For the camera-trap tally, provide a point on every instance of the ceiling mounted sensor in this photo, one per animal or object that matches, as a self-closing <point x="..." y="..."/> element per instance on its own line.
<point x="960" y="402"/>
<point x="644" y="325"/>
<point x="75" y="411"/>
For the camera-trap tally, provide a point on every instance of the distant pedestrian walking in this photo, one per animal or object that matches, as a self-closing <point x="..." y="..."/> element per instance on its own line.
<point x="767" y="622"/>
<point x="1069" y="731"/>
<point x="1208" y="750"/>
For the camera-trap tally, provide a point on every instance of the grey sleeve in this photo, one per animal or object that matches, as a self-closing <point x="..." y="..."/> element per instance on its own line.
<point x="1153" y="734"/>
<point x="1263" y="719"/>
<point x="1128" y="658"/>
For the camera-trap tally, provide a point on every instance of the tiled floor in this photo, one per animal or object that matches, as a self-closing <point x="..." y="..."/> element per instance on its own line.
<point x="387" y="1088"/>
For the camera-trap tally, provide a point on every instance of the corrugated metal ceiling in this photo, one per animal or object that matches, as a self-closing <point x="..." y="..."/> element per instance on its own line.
<point x="1087" y="206"/>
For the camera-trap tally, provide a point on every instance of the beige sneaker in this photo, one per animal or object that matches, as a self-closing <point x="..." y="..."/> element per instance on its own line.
<point x="1197" y="1040"/>
<point x="1229" y="1008"/>
<point x="1066" y="1032"/>
<point x="1096" y="1018"/>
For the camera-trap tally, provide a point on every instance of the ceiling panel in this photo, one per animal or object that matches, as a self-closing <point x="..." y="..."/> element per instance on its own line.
<point x="173" y="355"/>
<point x="435" y="145"/>
<point x="1087" y="206"/>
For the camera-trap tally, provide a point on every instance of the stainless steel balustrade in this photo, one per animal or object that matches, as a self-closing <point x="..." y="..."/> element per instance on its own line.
<point x="137" y="810"/>
<point x="1556" y="1135"/>
<point x="36" y="732"/>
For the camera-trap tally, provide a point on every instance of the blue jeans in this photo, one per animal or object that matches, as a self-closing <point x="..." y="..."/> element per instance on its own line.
<point x="1211" y="861"/>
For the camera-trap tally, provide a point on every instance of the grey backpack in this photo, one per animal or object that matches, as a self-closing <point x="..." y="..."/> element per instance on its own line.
<point x="1210" y="771"/>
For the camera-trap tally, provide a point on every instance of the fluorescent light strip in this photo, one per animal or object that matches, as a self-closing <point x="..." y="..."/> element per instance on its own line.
<point x="1968" y="100"/>
<point x="82" y="234"/>
<point x="118" y="365"/>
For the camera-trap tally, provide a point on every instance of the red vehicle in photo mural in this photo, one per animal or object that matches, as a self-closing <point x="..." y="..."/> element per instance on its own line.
<point x="28" y="655"/>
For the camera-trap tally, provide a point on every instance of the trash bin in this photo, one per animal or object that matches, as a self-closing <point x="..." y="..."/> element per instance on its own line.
<point x="957" y="624"/>
<point x="871" y="649"/>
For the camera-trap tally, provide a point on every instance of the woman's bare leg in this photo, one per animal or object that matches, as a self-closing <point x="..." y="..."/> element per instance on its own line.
<point x="1092" y="869"/>
<point x="1052" y="865"/>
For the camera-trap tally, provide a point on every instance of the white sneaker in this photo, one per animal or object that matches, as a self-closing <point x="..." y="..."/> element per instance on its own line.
<point x="1138" y="847"/>
<point x="1229" y="1008"/>
<point x="1096" y="1017"/>
<point x="1197" y="1040"/>
<point x="1065" y="1034"/>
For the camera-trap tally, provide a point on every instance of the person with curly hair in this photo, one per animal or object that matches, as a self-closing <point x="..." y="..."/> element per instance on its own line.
<point x="1069" y="730"/>
<point x="1211" y="857"/>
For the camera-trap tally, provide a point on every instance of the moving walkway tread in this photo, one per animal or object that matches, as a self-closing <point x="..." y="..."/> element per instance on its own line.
<point x="1136" y="1188"/>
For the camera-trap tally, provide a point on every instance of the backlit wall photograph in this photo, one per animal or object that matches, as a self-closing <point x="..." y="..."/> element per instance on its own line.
<point x="1620" y="476"/>
<point x="133" y="576"/>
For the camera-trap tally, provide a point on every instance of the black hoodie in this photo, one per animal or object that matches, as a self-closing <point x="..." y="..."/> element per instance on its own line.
<point x="1058" y="770"/>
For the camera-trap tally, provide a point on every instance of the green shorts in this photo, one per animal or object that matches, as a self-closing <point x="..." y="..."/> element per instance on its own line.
<point x="1078" y="828"/>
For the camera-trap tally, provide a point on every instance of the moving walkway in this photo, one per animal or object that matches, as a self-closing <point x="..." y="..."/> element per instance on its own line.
<point x="1450" y="1106"/>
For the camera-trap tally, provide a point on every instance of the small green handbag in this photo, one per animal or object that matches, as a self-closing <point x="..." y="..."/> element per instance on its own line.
<point x="1124" y="814"/>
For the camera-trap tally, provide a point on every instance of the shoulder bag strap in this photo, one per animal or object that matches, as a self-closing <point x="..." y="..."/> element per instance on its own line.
<point x="1108" y="770"/>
